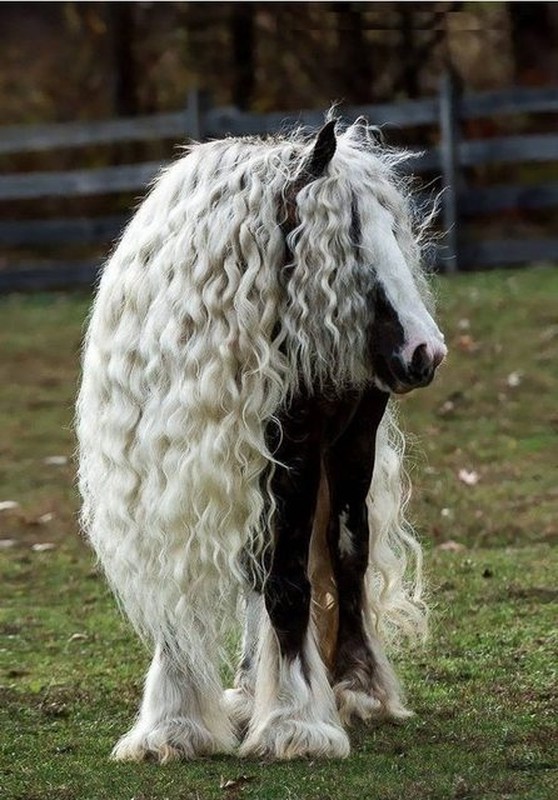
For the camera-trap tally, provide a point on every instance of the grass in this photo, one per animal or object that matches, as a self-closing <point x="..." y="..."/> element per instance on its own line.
<point x="71" y="671"/>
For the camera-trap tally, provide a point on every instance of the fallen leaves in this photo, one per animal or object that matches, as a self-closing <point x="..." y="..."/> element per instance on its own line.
<point x="55" y="461"/>
<point x="21" y="519"/>
<point x="451" y="546"/>
<point x="8" y="505"/>
<point x="514" y="379"/>
<point x="451" y="404"/>
<point x="7" y="543"/>
<point x="468" y="477"/>
<point x="45" y="518"/>
<point x="234" y="783"/>
<point x="549" y="334"/>
<point x="13" y="513"/>
<point x="467" y="344"/>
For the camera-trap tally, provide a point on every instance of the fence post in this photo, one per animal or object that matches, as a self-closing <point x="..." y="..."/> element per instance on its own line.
<point x="449" y="153"/>
<point x="197" y="104"/>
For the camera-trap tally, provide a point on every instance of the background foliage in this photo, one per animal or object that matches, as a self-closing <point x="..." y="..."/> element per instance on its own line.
<point x="63" y="61"/>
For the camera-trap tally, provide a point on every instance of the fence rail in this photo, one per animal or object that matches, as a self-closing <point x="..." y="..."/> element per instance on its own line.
<point x="27" y="139"/>
<point x="447" y="112"/>
<point x="79" y="182"/>
<point x="80" y="230"/>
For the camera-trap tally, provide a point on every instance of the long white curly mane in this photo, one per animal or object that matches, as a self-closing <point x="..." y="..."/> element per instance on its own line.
<point x="206" y="321"/>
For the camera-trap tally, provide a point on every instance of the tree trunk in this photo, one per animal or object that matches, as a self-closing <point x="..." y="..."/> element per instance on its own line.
<point x="243" y="54"/>
<point x="354" y="54"/>
<point x="121" y="26"/>
<point x="407" y="53"/>
<point x="534" y="28"/>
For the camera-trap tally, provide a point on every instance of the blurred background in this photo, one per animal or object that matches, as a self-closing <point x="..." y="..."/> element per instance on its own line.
<point x="67" y="61"/>
<point x="86" y="88"/>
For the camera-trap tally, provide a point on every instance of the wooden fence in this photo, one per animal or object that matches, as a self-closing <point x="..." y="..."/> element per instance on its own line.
<point x="449" y="159"/>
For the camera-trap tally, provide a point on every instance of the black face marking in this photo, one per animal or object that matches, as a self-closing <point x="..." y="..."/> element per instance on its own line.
<point x="386" y="337"/>
<point x="355" y="230"/>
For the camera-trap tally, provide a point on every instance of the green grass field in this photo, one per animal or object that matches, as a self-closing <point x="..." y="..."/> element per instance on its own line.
<point x="483" y="457"/>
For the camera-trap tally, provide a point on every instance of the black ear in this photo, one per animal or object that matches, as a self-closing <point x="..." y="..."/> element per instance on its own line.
<point x="323" y="151"/>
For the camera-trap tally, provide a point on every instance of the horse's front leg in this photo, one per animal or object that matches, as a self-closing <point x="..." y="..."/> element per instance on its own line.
<point x="365" y="684"/>
<point x="294" y="710"/>
<point x="181" y="714"/>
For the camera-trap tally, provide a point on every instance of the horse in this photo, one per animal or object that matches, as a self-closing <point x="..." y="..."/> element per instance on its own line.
<point x="239" y="452"/>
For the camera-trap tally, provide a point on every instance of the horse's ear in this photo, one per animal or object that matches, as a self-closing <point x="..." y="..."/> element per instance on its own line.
<point x="314" y="167"/>
<point x="323" y="151"/>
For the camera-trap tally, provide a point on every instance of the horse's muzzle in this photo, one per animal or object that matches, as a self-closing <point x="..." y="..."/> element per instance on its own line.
<point x="406" y="375"/>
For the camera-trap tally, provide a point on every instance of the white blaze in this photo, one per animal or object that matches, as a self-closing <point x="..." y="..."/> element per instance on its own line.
<point x="393" y="273"/>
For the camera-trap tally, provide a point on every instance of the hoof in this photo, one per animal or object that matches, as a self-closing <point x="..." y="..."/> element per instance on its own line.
<point x="170" y="740"/>
<point x="239" y="706"/>
<point x="356" y="704"/>
<point x="286" y="739"/>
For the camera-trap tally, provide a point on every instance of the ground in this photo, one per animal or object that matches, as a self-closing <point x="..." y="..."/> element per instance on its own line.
<point x="483" y="462"/>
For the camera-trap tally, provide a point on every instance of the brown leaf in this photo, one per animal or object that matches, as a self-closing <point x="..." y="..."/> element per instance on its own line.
<point x="468" y="477"/>
<point x="514" y="379"/>
<point x="454" y="401"/>
<point x="55" y="461"/>
<point x="451" y="546"/>
<point x="234" y="783"/>
<point x="77" y="637"/>
<point x="467" y="344"/>
<point x="7" y="543"/>
<point x="42" y="547"/>
<point x="44" y="518"/>
<point x="8" y="505"/>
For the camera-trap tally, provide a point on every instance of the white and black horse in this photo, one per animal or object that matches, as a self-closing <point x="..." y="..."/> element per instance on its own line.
<point x="237" y="439"/>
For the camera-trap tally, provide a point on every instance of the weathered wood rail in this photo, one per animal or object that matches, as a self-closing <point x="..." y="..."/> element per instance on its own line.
<point x="449" y="159"/>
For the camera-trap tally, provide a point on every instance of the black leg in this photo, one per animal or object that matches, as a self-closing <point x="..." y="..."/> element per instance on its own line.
<point x="286" y="591"/>
<point x="295" y="713"/>
<point x="364" y="682"/>
<point x="295" y="487"/>
<point x="350" y="464"/>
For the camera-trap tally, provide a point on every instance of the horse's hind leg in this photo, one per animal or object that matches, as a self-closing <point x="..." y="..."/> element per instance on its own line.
<point x="294" y="713"/>
<point x="365" y="684"/>
<point x="180" y="716"/>
<point x="239" y="701"/>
